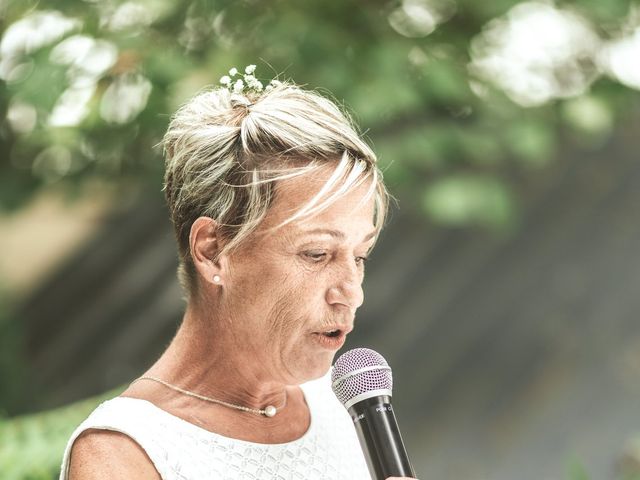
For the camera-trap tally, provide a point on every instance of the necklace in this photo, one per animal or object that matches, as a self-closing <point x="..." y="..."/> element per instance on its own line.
<point x="268" y="411"/>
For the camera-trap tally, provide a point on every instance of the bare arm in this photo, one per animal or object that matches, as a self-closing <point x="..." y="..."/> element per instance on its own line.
<point x="103" y="454"/>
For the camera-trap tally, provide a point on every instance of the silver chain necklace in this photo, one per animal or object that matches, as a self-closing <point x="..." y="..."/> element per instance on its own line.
<point x="268" y="411"/>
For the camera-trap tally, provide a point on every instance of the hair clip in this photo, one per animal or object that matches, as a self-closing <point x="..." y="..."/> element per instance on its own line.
<point x="249" y="83"/>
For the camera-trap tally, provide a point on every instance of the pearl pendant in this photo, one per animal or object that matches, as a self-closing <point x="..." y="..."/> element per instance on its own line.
<point x="270" y="411"/>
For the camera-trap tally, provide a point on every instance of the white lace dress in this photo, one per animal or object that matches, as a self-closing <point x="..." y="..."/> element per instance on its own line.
<point x="180" y="450"/>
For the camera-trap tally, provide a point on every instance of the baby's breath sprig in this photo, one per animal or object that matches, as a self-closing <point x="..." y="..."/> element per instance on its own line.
<point x="248" y="82"/>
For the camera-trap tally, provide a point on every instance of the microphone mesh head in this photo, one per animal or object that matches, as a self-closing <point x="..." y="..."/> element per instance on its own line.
<point x="348" y="382"/>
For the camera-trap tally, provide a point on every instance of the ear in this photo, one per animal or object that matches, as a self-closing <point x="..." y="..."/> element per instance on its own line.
<point x="205" y="244"/>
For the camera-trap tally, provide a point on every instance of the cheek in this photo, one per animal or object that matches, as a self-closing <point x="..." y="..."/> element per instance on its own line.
<point x="283" y="319"/>
<point x="283" y="292"/>
<point x="295" y="305"/>
<point x="253" y="283"/>
<point x="292" y="300"/>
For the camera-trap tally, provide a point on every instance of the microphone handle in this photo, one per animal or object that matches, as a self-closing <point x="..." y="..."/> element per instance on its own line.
<point x="380" y="438"/>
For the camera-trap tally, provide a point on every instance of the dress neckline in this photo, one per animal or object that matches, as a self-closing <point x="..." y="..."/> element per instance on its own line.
<point x="204" y="431"/>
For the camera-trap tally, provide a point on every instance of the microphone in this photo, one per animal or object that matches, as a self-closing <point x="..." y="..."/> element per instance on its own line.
<point x="362" y="381"/>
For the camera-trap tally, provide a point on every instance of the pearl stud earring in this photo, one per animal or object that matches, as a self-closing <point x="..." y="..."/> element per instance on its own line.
<point x="216" y="278"/>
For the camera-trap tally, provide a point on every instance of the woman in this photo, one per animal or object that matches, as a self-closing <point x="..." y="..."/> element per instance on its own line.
<point x="276" y="203"/>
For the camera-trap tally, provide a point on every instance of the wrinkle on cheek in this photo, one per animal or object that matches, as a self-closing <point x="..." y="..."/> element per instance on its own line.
<point x="280" y="318"/>
<point x="284" y="322"/>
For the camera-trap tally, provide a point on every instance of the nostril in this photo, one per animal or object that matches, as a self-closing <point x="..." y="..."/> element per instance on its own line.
<point x="347" y="294"/>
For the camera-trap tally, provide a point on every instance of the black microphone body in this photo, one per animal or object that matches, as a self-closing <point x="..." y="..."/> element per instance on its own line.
<point x="380" y="438"/>
<point x="361" y="379"/>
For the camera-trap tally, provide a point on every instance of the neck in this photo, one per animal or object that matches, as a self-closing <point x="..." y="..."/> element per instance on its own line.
<point x="206" y="358"/>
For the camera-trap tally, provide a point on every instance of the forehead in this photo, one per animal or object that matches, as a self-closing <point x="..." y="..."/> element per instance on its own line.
<point x="351" y="210"/>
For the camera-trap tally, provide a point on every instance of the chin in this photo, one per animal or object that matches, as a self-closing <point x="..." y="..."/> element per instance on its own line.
<point x="314" y="369"/>
<point x="320" y="372"/>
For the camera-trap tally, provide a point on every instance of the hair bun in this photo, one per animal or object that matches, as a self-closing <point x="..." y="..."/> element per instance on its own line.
<point x="240" y="101"/>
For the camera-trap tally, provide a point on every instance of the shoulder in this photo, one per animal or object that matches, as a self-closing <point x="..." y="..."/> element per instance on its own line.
<point x="103" y="454"/>
<point x="117" y="440"/>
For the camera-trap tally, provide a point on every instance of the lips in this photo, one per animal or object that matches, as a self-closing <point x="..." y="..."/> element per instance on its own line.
<point x="332" y="337"/>
<point x="334" y="331"/>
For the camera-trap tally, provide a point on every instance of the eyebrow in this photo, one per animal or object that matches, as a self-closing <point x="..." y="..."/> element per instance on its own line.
<point x="337" y="233"/>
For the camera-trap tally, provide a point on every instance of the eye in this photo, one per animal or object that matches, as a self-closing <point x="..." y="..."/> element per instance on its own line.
<point x="315" y="256"/>
<point x="361" y="260"/>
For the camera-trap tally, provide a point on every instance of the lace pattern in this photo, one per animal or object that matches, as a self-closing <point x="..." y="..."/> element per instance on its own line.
<point x="179" y="450"/>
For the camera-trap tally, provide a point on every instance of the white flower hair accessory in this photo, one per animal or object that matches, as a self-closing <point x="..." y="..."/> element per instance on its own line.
<point x="248" y="82"/>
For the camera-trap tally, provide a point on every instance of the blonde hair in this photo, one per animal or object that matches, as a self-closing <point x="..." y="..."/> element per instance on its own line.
<point x="225" y="153"/>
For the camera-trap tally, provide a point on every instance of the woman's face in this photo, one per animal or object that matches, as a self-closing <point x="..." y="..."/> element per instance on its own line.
<point x="294" y="291"/>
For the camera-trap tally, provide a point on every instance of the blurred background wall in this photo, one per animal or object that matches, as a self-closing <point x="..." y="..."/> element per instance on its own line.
<point x="504" y="291"/>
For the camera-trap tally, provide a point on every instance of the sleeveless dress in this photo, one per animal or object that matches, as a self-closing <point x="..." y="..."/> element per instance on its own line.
<point x="180" y="450"/>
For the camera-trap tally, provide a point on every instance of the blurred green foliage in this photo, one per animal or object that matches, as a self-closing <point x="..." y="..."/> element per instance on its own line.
<point x="31" y="446"/>
<point x="438" y="126"/>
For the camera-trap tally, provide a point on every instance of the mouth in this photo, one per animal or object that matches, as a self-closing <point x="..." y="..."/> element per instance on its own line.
<point x="332" y="338"/>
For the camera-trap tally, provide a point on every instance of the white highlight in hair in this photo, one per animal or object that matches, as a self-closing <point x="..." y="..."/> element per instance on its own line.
<point x="341" y="181"/>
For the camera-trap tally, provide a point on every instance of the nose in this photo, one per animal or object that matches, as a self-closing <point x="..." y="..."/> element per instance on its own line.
<point x="346" y="288"/>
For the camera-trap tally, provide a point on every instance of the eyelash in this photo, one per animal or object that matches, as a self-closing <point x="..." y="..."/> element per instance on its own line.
<point x="314" y="256"/>
<point x="362" y="260"/>
<point x="318" y="257"/>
